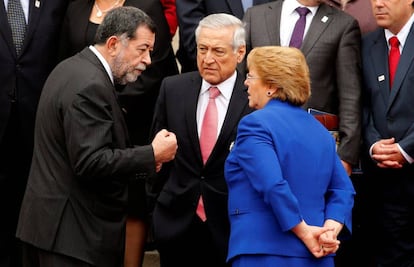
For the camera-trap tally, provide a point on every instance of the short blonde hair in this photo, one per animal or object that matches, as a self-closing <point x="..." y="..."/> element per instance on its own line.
<point x="284" y="67"/>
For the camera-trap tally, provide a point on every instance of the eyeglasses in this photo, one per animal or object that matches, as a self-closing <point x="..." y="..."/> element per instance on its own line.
<point x="250" y="77"/>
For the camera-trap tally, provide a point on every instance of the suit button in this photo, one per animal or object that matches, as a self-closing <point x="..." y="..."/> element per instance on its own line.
<point x="202" y="177"/>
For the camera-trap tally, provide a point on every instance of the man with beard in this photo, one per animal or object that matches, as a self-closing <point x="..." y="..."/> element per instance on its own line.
<point x="75" y="205"/>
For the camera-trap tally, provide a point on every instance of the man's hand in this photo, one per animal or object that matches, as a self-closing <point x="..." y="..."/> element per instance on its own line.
<point x="165" y="146"/>
<point x="387" y="154"/>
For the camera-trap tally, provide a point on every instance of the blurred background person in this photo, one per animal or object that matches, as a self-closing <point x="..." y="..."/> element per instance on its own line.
<point x="170" y="13"/>
<point x="191" y="226"/>
<point x="29" y="38"/>
<point x="359" y="9"/>
<point x="289" y="195"/>
<point x="190" y="12"/>
<point x="137" y="99"/>
<point x="388" y="112"/>
<point x="75" y="205"/>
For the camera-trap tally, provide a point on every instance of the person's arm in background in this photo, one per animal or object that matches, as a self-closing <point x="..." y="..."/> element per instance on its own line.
<point x="171" y="15"/>
<point x="348" y="65"/>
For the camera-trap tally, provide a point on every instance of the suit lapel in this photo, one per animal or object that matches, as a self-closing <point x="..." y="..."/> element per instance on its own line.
<point x="35" y="7"/>
<point x="237" y="105"/>
<point x="379" y="58"/>
<point x="404" y="65"/>
<point x="272" y="22"/>
<point x="89" y="55"/>
<point x="320" y="22"/>
<point x="194" y="86"/>
<point x="5" y="30"/>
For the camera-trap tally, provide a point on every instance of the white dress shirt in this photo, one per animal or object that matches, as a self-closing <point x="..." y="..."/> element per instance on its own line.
<point x="222" y="101"/>
<point x="25" y="6"/>
<point x="288" y="19"/>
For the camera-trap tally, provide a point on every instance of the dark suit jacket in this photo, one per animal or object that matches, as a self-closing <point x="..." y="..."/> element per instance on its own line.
<point x="22" y="78"/>
<point x="189" y="13"/>
<point x="75" y="200"/>
<point x="137" y="98"/>
<point x="332" y="50"/>
<point x="389" y="112"/>
<point x="187" y="178"/>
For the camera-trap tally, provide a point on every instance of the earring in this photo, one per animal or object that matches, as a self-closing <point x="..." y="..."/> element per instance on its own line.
<point x="269" y="93"/>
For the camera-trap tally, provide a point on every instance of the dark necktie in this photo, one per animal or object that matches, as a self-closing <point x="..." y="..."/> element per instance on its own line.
<point x="394" y="57"/>
<point x="297" y="35"/>
<point x="15" y="16"/>
<point x="208" y="137"/>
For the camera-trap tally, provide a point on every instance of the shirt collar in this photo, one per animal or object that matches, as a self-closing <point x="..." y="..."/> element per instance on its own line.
<point x="103" y="61"/>
<point x="291" y="5"/>
<point x="403" y="34"/>
<point x="226" y="87"/>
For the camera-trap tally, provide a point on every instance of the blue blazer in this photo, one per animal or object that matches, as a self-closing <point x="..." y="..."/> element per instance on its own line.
<point x="283" y="168"/>
<point x="388" y="112"/>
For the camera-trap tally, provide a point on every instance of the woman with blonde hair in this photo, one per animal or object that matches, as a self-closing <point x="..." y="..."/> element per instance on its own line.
<point x="283" y="173"/>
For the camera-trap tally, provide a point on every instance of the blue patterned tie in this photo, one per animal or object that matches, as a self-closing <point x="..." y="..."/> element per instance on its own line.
<point x="17" y="21"/>
<point x="297" y="35"/>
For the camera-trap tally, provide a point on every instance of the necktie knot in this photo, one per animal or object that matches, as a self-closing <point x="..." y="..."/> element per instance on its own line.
<point x="393" y="57"/>
<point x="213" y="92"/>
<point x="302" y="11"/>
<point x="394" y="42"/>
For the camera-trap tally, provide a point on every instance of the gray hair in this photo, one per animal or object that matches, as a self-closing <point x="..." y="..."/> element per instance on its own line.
<point x="220" y="20"/>
<point x="123" y="22"/>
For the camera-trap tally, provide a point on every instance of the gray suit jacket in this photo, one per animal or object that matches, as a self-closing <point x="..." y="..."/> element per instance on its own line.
<point x="332" y="50"/>
<point x="76" y="196"/>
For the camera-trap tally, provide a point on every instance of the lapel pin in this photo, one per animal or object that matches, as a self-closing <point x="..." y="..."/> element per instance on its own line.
<point x="37" y="3"/>
<point x="324" y="19"/>
<point x="381" y="78"/>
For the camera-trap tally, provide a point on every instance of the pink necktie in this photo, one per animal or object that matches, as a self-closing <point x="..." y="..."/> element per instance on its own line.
<point x="208" y="138"/>
<point x="394" y="57"/>
<point x="297" y="35"/>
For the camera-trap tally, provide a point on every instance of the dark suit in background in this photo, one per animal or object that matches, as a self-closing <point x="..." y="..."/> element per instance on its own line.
<point x="389" y="113"/>
<point x="181" y="237"/>
<point x="22" y="78"/>
<point x="189" y="13"/>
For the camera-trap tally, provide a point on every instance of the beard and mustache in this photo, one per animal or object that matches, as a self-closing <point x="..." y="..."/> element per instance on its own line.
<point x="124" y="72"/>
